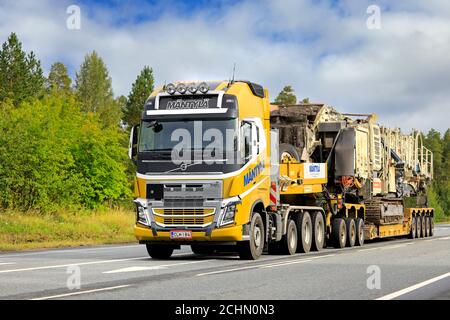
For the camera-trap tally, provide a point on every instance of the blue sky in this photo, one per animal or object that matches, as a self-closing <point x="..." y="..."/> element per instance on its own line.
<point x="322" y="48"/>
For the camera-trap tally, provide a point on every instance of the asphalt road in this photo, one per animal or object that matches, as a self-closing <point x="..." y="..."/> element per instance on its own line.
<point x="389" y="269"/>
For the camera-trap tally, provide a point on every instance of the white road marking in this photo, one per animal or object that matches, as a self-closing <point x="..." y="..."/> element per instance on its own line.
<point x="284" y="264"/>
<point x="134" y="269"/>
<point x="165" y="266"/>
<point x="412" y="288"/>
<point x="397" y="246"/>
<point x="71" y="264"/>
<point x="74" y="250"/>
<point x="446" y="238"/>
<point x="269" y="265"/>
<point x="6" y="263"/>
<point x="369" y="249"/>
<point x="80" y="292"/>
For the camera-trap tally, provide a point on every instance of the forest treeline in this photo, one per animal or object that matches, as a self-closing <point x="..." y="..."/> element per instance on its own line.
<point x="63" y="141"/>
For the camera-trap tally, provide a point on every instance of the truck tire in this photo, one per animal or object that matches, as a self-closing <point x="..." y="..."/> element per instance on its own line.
<point x="290" y="240"/>
<point x="289" y="149"/>
<point x="418" y="227"/>
<point x="202" y="250"/>
<point x="351" y="232"/>
<point x="304" y="231"/>
<point x="413" y="231"/>
<point x="338" y="233"/>
<point x="158" y="251"/>
<point x="359" y="223"/>
<point x="431" y="233"/>
<point x="318" y="225"/>
<point x="422" y="226"/>
<point x="252" y="250"/>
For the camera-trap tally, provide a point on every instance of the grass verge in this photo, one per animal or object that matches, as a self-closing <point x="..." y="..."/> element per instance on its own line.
<point x="23" y="231"/>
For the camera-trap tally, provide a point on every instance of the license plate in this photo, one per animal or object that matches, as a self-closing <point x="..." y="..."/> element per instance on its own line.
<point x="180" y="234"/>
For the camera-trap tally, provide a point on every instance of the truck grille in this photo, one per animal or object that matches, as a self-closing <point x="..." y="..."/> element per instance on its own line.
<point x="184" y="216"/>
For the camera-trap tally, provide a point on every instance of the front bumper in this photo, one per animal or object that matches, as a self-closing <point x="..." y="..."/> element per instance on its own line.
<point x="227" y="234"/>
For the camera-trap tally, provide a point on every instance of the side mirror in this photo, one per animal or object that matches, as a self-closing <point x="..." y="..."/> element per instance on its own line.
<point x="132" y="147"/>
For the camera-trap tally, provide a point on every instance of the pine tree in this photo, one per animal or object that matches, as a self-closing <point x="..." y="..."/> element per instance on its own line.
<point x="142" y="88"/>
<point x="433" y="142"/>
<point x="58" y="79"/>
<point x="306" y="100"/>
<point x="21" y="75"/>
<point x="94" y="90"/>
<point x="286" y="96"/>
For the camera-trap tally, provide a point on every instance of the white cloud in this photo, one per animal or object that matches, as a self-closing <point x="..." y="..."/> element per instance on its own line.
<point x="401" y="72"/>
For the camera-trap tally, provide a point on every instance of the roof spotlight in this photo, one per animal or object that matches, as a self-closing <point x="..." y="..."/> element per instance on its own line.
<point x="181" y="88"/>
<point x="170" y="88"/>
<point x="203" y="87"/>
<point x="192" y="88"/>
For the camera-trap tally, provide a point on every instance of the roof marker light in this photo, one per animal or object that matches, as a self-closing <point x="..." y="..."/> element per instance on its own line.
<point x="192" y="88"/>
<point x="181" y="88"/>
<point x="203" y="87"/>
<point x="170" y="88"/>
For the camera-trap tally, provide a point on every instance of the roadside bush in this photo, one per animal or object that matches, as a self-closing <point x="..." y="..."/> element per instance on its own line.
<point x="53" y="155"/>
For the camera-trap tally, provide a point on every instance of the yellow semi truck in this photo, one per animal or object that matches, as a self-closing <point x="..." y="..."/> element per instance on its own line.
<point x="220" y="168"/>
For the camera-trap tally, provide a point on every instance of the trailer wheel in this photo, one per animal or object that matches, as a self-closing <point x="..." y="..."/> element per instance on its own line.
<point x="413" y="231"/>
<point x="427" y="226"/>
<point x="252" y="250"/>
<point x="431" y="233"/>
<point x="359" y="223"/>
<point x="422" y="226"/>
<point x="290" y="239"/>
<point x="159" y="252"/>
<point x="304" y="230"/>
<point x="351" y="232"/>
<point x="418" y="227"/>
<point x="202" y="250"/>
<point x="288" y="150"/>
<point x="318" y="231"/>
<point x="338" y="233"/>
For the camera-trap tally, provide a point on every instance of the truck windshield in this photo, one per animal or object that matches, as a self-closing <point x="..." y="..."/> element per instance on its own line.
<point x="164" y="136"/>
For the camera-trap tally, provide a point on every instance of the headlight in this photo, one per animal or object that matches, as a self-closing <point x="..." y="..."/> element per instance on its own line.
<point x="141" y="214"/>
<point x="229" y="213"/>
<point x="170" y="88"/>
<point x="181" y="88"/>
<point x="203" y="87"/>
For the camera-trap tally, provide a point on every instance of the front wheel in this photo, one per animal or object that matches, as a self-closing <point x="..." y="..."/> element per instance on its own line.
<point x="252" y="250"/>
<point x="157" y="251"/>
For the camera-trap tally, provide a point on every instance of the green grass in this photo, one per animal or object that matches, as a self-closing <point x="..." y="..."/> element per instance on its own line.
<point x="23" y="231"/>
